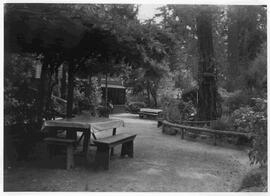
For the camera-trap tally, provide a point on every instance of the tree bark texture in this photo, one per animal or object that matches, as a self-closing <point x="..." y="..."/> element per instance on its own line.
<point x="71" y="73"/>
<point x="71" y="70"/>
<point x="206" y="72"/>
<point x="42" y="94"/>
<point x="63" y="83"/>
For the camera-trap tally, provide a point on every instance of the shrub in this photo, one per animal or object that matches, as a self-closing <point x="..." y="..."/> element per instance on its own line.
<point x="87" y="95"/>
<point x="176" y="110"/>
<point x="224" y="124"/>
<point x="236" y="100"/>
<point x="254" y="120"/>
<point x="243" y="119"/>
<point x="103" y="111"/>
<point x="134" y="107"/>
<point x="22" y="137"/>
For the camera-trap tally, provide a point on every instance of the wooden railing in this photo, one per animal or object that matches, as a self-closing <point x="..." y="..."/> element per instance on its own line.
<point x="184" y="128"/>
<point x="197" y="123"/>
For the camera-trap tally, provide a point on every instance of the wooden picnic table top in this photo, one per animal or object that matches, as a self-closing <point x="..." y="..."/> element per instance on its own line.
<point x="85" y="122"/>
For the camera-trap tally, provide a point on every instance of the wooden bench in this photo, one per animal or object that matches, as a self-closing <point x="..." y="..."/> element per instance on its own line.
<point x="185" y="128"/>
<point x="147" y="112"/>
<point x="144" y="114"/>
<point x="104" y="146"/>
<point x="69" y="143"/>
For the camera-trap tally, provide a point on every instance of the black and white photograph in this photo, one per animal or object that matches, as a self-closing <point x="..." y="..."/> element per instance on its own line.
<point x="134" y="97"/>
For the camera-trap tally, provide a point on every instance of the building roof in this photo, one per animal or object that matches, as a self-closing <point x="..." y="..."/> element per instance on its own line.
<point x="112" y="83"/>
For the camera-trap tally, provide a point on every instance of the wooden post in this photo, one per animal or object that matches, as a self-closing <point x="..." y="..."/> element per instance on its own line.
<point x="182" y="133"/>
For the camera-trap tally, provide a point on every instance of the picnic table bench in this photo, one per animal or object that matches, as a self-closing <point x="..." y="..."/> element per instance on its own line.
<point x="104" y="145"/>
<point x="184" y="128"/>
<point x="69" y="143"/>
<point x="146" y="112"/>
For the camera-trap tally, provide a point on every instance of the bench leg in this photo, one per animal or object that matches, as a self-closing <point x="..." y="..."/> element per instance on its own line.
<point x="86" y="141"/>
<point x="70" y="157"/>
<point x="51" y="149"/>
<point x="113" y="133"/>
<point x="103" y="156"/>
<point x="127" y="149"/>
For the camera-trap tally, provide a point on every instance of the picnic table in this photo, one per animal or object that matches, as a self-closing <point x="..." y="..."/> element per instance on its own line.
<point x="85" y="124"/>
<point x="149" y="112"/>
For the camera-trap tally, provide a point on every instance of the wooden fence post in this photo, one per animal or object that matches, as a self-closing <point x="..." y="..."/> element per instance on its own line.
<point x="182" y="133"/>
<point x="215" y="142"/>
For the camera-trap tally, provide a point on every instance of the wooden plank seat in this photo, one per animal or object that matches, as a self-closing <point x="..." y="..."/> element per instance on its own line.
<point x="104" y="146"/>
<point x="149" y="112"/>
<point x="69" y="143"/>
<point x="184" y="128"/>
<point x="145" y="114"/>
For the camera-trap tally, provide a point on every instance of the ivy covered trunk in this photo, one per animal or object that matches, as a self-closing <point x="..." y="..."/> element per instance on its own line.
<point x="206" y="73"/>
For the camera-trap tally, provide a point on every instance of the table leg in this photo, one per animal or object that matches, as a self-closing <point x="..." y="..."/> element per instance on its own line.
<point x="114" y="132"/>
<point x="86" y="141"/>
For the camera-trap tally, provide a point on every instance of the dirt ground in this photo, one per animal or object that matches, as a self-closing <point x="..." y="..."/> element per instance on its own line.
<point x="161" y="163"/>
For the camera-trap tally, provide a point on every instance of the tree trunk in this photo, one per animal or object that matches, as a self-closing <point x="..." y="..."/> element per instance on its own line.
<point x="42" y="92"/>
<point x="233" y="50"/>
<point x="63" y="83"/>
<point x="70" y="90"/>
<point x="207" y="73"/>
<point x="71" y="70"/>
<point x="148" y="93"/>
<point x="154" y="94"/>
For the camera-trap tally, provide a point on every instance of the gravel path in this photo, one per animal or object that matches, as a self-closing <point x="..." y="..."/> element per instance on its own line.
<point x="161" y="163"/>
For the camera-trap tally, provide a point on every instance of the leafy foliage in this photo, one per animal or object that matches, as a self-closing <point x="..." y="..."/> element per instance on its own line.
<point x="176" y="110"/>
<point x="19" y="98"/>
<point x="224" y="123"/>
<point x="254" y="120"/>
<point x="87" y="95"/>
<point x="255" y="77"/>
<point x="236" y="100"/>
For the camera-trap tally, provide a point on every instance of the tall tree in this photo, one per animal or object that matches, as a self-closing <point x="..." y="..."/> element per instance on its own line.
<point x="207" y="95"/>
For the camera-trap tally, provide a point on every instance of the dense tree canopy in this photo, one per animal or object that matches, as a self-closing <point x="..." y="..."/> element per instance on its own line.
<point x="94" y="38"/>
